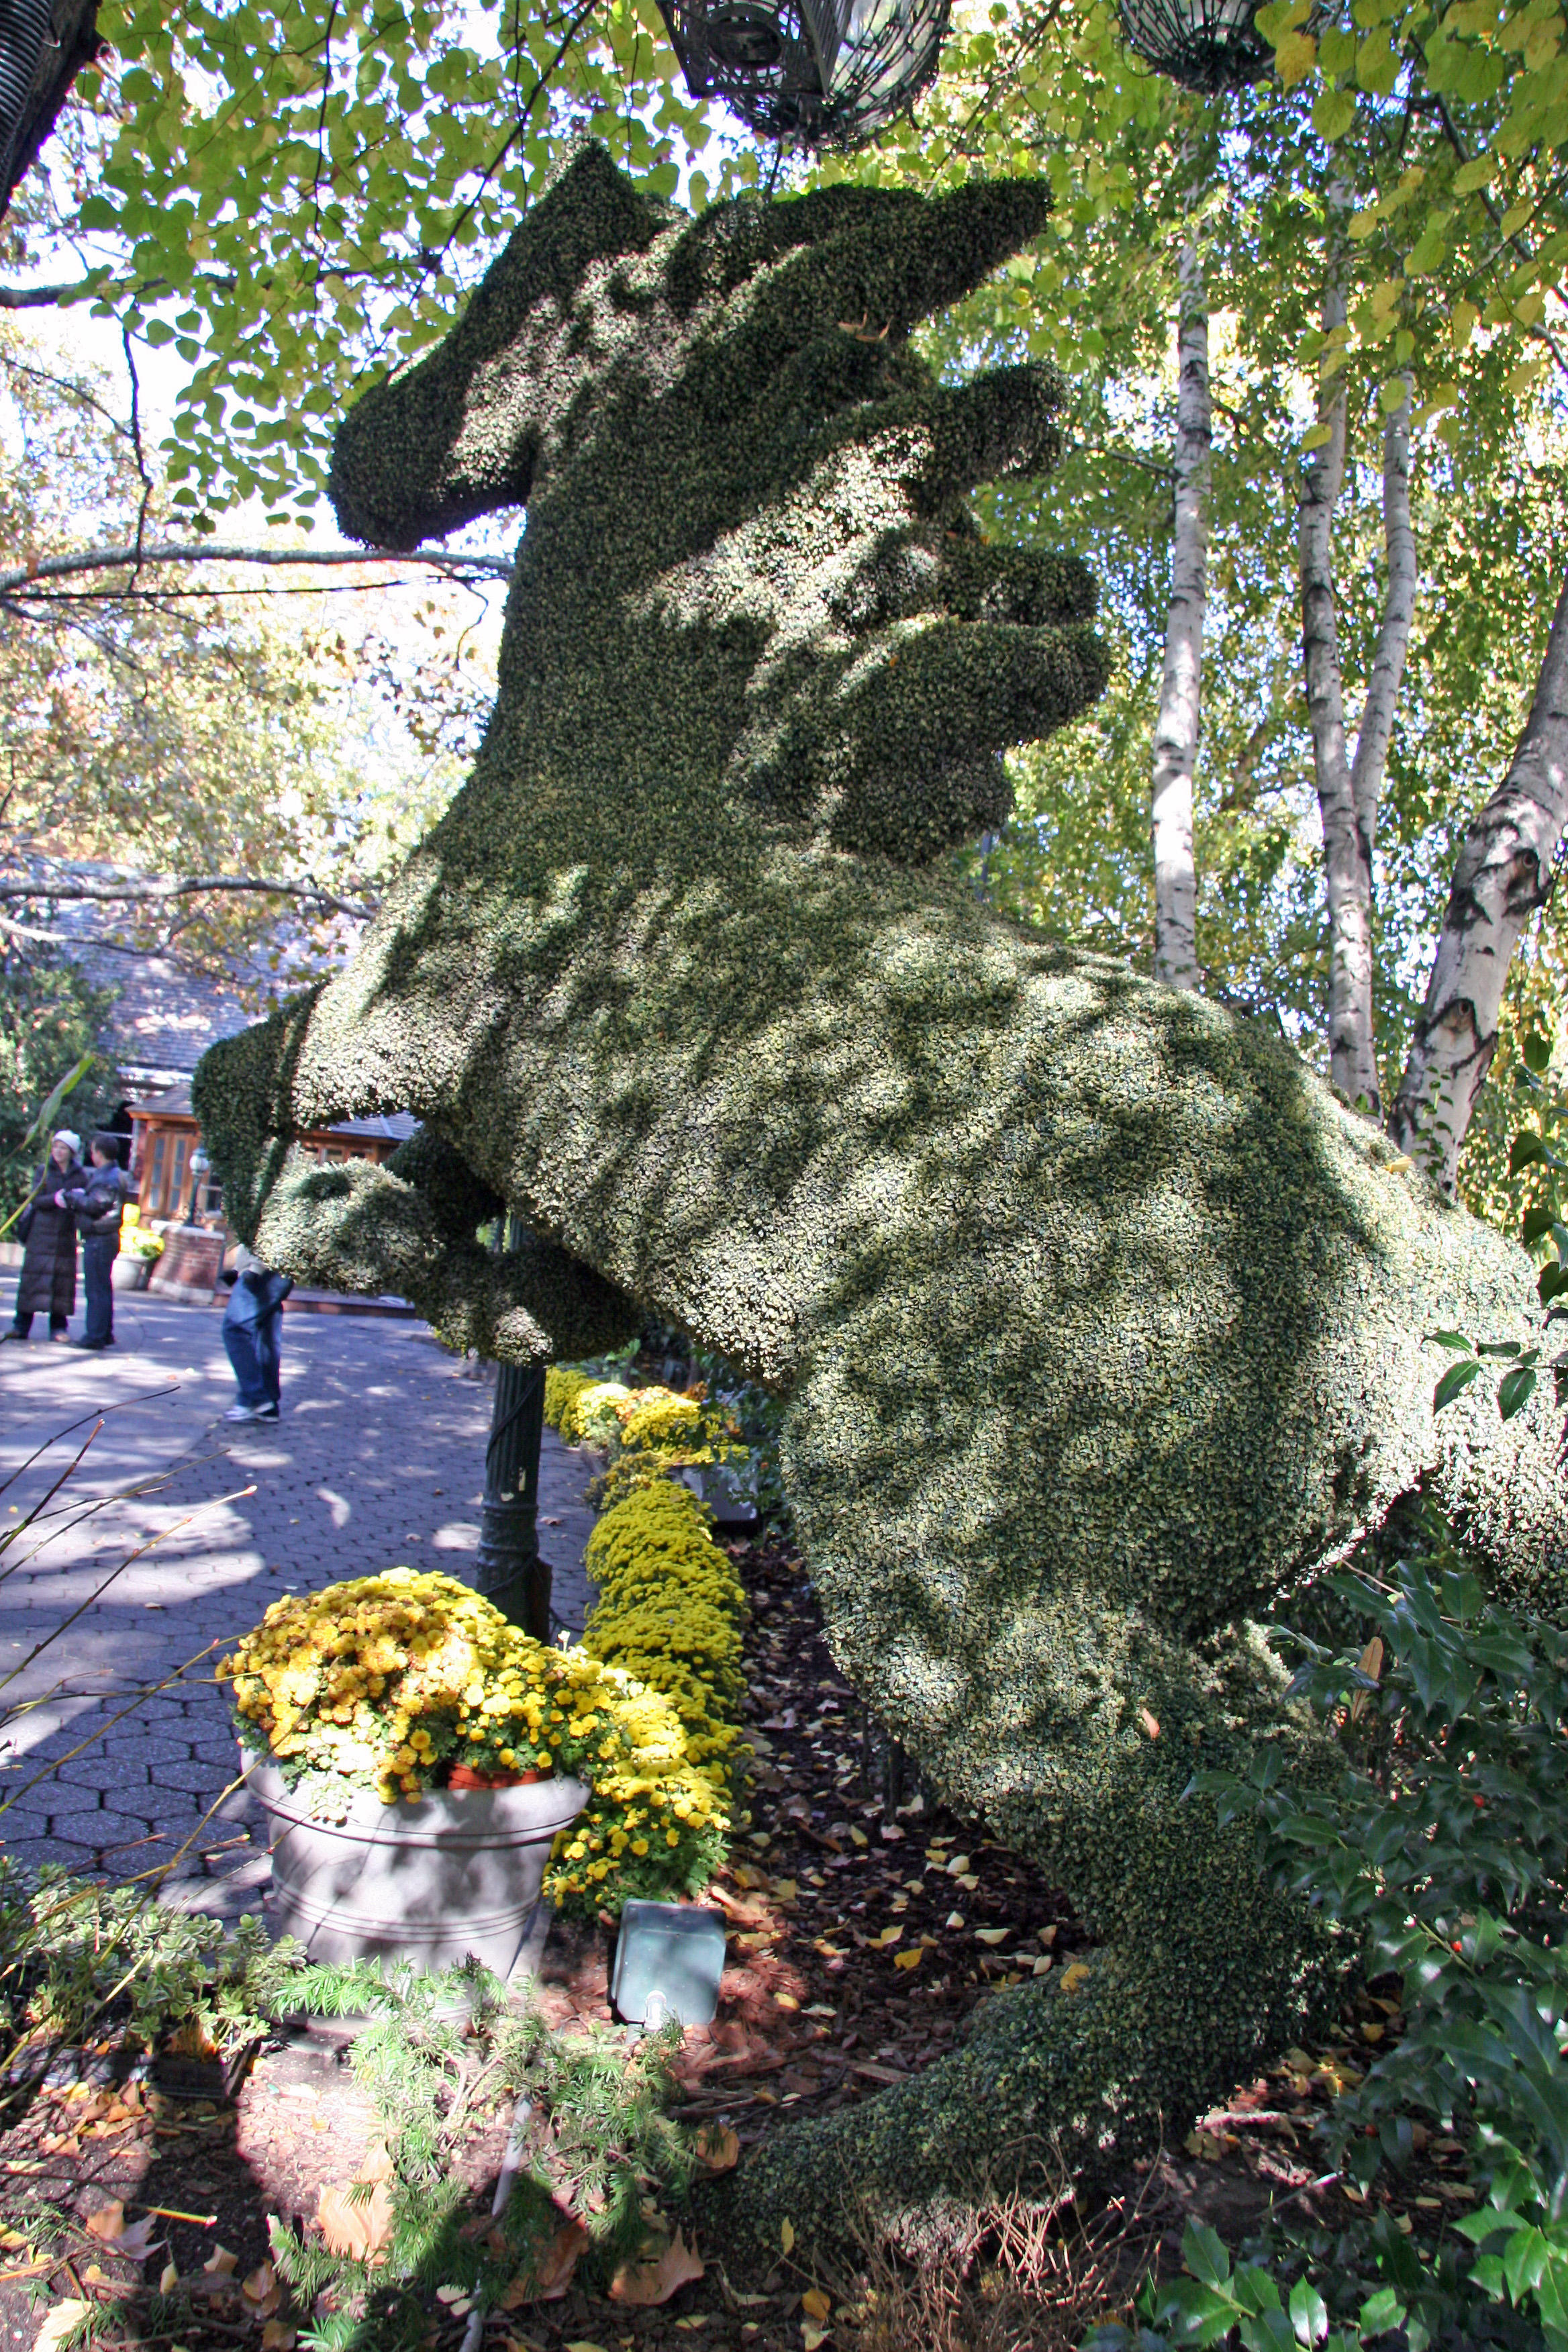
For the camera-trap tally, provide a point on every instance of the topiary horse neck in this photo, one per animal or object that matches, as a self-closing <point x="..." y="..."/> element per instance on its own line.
<point x="1098" y="1319"/>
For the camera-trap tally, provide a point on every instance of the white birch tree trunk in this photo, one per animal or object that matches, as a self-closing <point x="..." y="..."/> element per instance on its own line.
<point x="1370" y="762"/>
<point x="1347" y="853"/>
<point x="1503" y="874"/>
<point x="1181" y="684"/>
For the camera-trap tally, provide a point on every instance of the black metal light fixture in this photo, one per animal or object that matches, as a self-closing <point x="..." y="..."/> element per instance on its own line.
<point x="1208" y="44"/>
<point x="822" y="73"/>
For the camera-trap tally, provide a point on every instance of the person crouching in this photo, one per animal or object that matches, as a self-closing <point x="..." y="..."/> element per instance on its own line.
<point x="253" y="1335"/>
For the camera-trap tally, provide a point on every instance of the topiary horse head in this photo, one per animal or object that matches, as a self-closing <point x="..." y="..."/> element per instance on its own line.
<point x="1098" y="1319"/>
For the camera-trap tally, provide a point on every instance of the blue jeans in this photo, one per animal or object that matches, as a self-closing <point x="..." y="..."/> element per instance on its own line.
<point x="255" y="1351"/>
<point x="99" y="1252"/>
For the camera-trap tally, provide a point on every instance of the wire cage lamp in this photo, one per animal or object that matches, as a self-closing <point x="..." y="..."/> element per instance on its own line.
<point x="818" y="73"/>
<point x="1207" y="45"/>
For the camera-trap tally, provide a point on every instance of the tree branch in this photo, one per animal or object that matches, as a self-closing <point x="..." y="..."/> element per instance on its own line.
<point x="44" y="298"/>
<point x="158" y="891"/>
<point x="112" y="558"/>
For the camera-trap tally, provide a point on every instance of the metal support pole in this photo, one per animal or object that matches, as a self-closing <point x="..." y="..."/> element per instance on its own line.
<point x="509" y="1570"/>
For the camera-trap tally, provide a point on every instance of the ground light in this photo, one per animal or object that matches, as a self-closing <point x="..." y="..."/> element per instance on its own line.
<point x="669" y="1957"/>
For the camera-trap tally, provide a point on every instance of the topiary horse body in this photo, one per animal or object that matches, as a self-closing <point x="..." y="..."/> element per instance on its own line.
<point x="1098" y="1320"/>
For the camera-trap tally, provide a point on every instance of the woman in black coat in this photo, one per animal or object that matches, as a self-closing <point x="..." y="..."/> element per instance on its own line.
<point x="47" y="1284"/>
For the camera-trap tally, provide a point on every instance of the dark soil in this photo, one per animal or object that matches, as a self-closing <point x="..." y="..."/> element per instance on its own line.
<point x="866" y="1924"/>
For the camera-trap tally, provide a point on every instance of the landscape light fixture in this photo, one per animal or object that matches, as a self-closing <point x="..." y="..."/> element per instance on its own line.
<point x="668" y="1960"/>
<point x="1207" y="45"/>
<point x="818" y="73"/>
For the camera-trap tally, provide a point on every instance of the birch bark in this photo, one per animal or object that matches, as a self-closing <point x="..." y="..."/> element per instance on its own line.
<point x="1371" y="763"/>
<point x="1503" y="874"/>
<point x="1347" y="852"/>
<point x="1181" y="684"/>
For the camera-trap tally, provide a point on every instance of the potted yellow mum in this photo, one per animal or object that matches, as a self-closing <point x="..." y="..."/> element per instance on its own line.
<point x="427" y="1769"/>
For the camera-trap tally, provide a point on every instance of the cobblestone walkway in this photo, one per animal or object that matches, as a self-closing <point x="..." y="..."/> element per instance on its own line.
<point x="378" y="1460"/>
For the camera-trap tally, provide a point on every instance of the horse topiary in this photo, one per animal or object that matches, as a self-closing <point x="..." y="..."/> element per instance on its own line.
<point x="1098" y="1320"/>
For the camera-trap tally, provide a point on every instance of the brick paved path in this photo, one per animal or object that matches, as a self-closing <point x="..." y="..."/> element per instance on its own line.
<point x="378" y="1460"/>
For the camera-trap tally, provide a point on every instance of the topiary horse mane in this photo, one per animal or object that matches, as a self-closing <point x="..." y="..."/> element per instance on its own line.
<point x="1098" y="1320"/>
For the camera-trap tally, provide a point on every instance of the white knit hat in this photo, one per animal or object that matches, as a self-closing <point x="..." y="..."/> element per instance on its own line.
<point x="69" y="1134"/>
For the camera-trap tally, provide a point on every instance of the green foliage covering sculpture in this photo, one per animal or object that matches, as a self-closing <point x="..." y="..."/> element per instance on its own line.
<point x="1100" y="1322"/>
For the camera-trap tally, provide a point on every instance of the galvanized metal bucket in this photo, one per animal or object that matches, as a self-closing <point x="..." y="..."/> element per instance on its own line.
<point x="431" y="1881"/>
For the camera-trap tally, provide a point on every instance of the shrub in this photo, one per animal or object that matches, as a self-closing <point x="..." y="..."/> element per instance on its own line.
<point x="564" y="1383"/>
<point x="670" y="1601"/>
<point x="384" y="1682"/>
<point x="78" y="1959"/>
<point x="1443" y="1846"/>
<point x="590" y="1417"/>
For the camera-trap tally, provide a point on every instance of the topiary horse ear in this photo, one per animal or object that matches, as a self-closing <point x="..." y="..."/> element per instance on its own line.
<point x="460" y="433"/>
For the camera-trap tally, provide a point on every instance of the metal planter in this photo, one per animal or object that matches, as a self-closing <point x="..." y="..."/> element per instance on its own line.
<point x="431" y="1881"/>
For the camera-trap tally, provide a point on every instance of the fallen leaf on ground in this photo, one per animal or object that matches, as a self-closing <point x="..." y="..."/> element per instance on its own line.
<point x="646" y="2284"/>
<point x="278" y="2337"/>
<point x="992" y="1934"/>
<point x="262" y="2291"/>
<point x="907" y="1959"/>
<point x="1071" y="1978"/>
<point x="815" y="2303"/>
<point x="168" y="2278"/>
<point x="110" y="2227"/>
<point x="61" y="2322"/>
<point x="786" y="2236"/>
<point x="717" y="2148"/>
<point x="812" y="2336"/>
<point x="582" y="2344"/>
<point x="548" y="2280"/>
<point x="221" y="2264"/>
<point x="887" y="1936"/>
<point x="355" y="2227"/>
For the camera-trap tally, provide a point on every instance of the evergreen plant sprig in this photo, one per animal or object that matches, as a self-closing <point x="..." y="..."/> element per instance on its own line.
<point x="441" y="2056"/>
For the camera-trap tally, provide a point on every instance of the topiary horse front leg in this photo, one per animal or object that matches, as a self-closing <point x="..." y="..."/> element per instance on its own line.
<point x="407" y="1227"/>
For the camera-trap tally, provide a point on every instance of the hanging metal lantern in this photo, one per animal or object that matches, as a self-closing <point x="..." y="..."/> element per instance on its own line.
<point x="821" y="73"/>
<point x="1208" y="44"/>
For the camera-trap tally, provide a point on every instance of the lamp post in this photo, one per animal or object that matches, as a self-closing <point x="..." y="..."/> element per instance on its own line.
<point x="509" y="1570"/>
<point x="820" y="73"/>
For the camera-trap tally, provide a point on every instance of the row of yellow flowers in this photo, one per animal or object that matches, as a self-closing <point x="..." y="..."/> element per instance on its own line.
<point x="670" y="1605"/>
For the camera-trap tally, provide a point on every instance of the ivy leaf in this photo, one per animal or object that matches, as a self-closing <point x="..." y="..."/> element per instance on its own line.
<point x="1457" y="1377"/>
